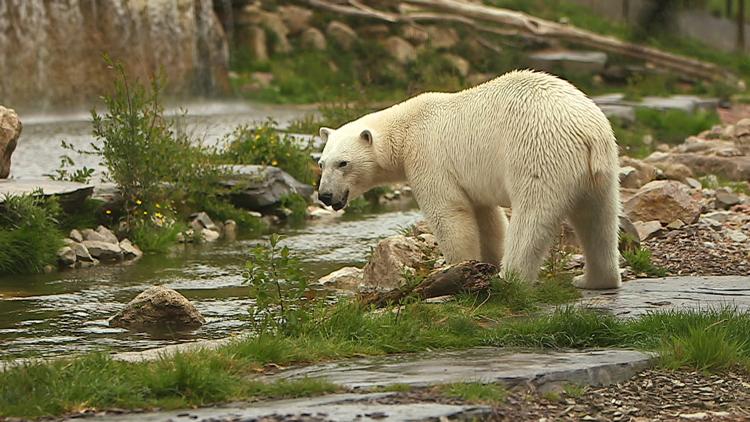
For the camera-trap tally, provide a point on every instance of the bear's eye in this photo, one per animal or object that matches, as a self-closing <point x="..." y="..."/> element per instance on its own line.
<point x="343" y="164"/>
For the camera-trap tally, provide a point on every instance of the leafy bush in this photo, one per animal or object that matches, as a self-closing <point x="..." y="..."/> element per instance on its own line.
<point x="280" y="289"/>
<point x="29" y="237"/>
<point x="264" y="145"/>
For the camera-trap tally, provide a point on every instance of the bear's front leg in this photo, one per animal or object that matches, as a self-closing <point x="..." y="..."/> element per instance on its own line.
<point x="456" y="230"/>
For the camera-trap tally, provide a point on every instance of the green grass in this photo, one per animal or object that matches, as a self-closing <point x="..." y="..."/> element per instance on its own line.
<point x="707" y="340"/>
<point x="151" y="238"/>
<point x="473" y="392"/>
<point x="640" y="261"/>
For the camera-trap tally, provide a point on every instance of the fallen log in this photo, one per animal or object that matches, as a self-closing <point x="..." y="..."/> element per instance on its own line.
<point x="470" y="14"/>
<point x="468" y="277"/>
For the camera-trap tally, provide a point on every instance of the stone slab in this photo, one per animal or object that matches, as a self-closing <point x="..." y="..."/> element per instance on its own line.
<point x="337" y="407"/>
<point x="484" y="365"/>
<point x="639" y="297"/>
<point x="70" y="193"/>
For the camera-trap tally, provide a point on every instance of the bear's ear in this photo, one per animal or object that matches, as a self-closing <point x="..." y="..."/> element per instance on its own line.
<point x="324" y="132"/>
<point x="366" y="136"/>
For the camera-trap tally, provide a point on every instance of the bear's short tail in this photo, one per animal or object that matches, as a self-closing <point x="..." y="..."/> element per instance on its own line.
<point x="603" y="162"/>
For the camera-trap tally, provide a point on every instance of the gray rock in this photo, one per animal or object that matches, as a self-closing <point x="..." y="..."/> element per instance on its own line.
<point x="587" y="62"/>
<point x="129" y="250"/>
<point x="485" y="365"/>
<point x="10" y="131"/>
<point x="82" y="252"/>
<point x="210" y="235"/>
<point x="158" y="308"/>
<point x="66" y="256"/>
<point x="736" y="236"/>
<point x="76" y="235"/>
<point x="90" y="234"/>
<point x="719" y="216"/>
<point x="259" y="187"/>
<point x="390" y="258"/>
<point x="342" y="34"/>
<point x="400" y="49"/>
<point x="107" y="234"/>
<point x="624" y="113"/>
<point x="442" y="37"/>
<point x="347" y="278"/>
<point x="647" y="229"/>
<point x="201" y="220"/>
<point x="70" y="194"/>
<point x="686" y="103"/>
<point x="103" y="251"/>
<point x="725" y="199"/>
<point x="313" y="38"/>
<point x="693" y="183"/>
<point x="230" y="230"/>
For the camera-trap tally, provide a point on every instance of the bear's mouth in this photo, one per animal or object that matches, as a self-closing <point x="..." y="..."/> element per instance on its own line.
<point x="342" y="203"/>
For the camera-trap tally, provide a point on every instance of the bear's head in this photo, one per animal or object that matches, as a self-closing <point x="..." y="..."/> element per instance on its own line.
<point x="349" y="163"/>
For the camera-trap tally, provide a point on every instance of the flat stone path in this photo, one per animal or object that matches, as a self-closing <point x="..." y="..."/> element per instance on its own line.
<point x="638" y="297"/>
<point x="76" y="191"/>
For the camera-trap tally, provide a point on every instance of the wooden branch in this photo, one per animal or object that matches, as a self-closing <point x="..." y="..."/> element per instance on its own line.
<point x="469" y="276"/>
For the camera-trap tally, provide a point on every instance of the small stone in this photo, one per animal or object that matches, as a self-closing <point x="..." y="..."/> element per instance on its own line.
<point x="107" y="234"/>
<point x="82" y="253"/>
<point x="76" y="235"/>
<point x="129" y="250"/>
<point x="230" y="230"/>
<point x="66" y="256"/>
<point x="718" y="216"/>
<point x="316" y="212"/>
<point x="693" y="183"/>
<point x="694" y="416"/>
<point x="210" y="235"/>
<point x="676" y="225"/>
<point x="202" y="220"/>
<point x="647" y="229"/>
<point x="89" y="234"/>
<point x="103" y="251"/>
<point x="725" y="199"/>
<point x="255" y="214"/>
<point x="342" y="34"/>
<point x="347" y="278"/>
<point x="736" y="236"/>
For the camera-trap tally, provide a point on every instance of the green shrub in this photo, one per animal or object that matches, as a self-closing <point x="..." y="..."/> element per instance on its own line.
<point x="640" y="261"/>
<point x="264" y="145"/>
<point x="223" y="211"/>
<point x="673" y="126"/>
<point x="297" y="205"/>
<point x="29" y="236"/>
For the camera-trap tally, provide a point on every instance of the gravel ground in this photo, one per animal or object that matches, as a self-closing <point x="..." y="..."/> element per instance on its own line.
<point x="653" y="395"/>
<point x="699" y="249"/>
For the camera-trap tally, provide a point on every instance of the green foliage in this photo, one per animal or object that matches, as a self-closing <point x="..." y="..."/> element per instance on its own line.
<point x="473" y="392"/>
<point x="703" y="349"/>
<point x="29" y="234"/>
<point x="673" y="126"/>
<point x="223" y="211"/>
<point x="640" y="261"/>
<point x="90" y="214"/>
<point x="144" y="153"/>
<point x="295" y="203"/>
<point x="67" y="171"/>
<point x="264" y="145"/>
<point x="155" y="236"/>
<point x="280" y="289"/>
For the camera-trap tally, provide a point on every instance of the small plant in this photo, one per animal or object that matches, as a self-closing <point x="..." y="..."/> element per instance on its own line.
<point x="29" y="234"/>
<point x="297" y="206"/>
<point x="66" y="170"/>
<point x="704" y="349"/>
<point x="640" y="261"/>
<point x="473" y="392"/>
<point x="280" y="289"/>
<point x="265" y="145"/>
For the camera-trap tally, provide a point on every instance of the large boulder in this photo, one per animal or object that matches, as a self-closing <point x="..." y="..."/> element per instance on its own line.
<point x="442" y="37"/>
<point x="313" y="39"/>
<point x="391" y="258"/>
<point x="641" y="173"/>
<point x="103" y="251"/>
<point x="297" y="19"/>
<point x="342" y="34"/>
<point x="259" y="187"/>
<point x="10" y="130"/>
<point x="158" y="308"/>
<point x="665" y="201"/>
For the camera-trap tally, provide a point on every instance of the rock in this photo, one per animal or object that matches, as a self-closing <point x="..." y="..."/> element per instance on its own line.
<point x="76" y="235"/>
<point x="90" y="234"/>
<point x="693" y="183"/>
<point x="201" y="220"/>
<point x="665" y="201"/>
<point x="569" y="61"/>
<point x="428" y="239"/>
<point x="210" y="235"/>
<point x="230" y="230"/>
<point x="414" y="34"/>
<point x="315" y="212"/>
<point x="66" y="256"/>
<point x="103" y="251"/>
<point x="87" y="264"/>
<point x="730" y="168"/>
<point x="390" y="259"/>
<point x="347" y="278"/>
<point x="400" y="49"/>
<point x="158" y="308"/>
<point x="259" y="187"/>
<point x="107" y="235"/>
<point x="275" y="25"/>
<point x="296" y="19"/>
<point x="442" y="37"/>
<point x="478" y="78"/>
<point x="10" y="131"/>
<point x="257" y="43"/>
<point x="675" y="171"/>
<point x="342" y="34"/>
<point x="82" y="252"/>
<point x="630" y="239"/>
<point x="629" y="178"/>
<point x="736" y="236"/>
<point x="71" y="195"/>
<point x="676" y="225"/>
<point x="719" y="216"/>
<point x="644" y="173"/>
<point x="458" y="63"/>
<point x="647" y="229"/>
<point x="313" y="38"/>
<point x="726" y="199"/>
<point x="742" y="128"/>
<point x="129" y="250"/>
<point x="377" y="31"/>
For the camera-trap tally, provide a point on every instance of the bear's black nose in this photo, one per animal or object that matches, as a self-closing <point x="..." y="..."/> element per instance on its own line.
<point x="326" y="198"/>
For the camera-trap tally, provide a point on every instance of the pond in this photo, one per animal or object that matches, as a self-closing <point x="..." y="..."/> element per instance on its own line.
<point x="66" y="312"/>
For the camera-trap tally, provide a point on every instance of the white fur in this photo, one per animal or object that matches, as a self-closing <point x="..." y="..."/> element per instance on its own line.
<point x="525" y="140"/>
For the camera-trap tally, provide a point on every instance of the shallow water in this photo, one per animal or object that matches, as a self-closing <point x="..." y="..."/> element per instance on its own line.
<point x="66" y="312"/>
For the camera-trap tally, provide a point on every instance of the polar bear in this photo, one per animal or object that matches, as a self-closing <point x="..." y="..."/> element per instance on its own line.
<point x="526" y="140"/>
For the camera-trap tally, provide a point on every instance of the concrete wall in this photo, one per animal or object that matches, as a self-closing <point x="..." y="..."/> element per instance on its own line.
<point x="699" y="24"/>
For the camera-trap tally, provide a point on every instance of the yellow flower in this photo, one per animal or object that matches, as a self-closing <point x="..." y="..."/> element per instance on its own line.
<point x="158" y="206"/>
<point x="138" y="202"/>
<point x="108" y="212"/>
<point x="145" y="212"/>
<point x="158" y="215"/>
<point x="274" y="163"/>
<point x="257" y="137"/>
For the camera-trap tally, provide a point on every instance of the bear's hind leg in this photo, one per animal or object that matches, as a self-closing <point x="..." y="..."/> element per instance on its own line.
<point x="530" y="234"/>
<point x="493" y="224"/>
<point x="595" y="221"/>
